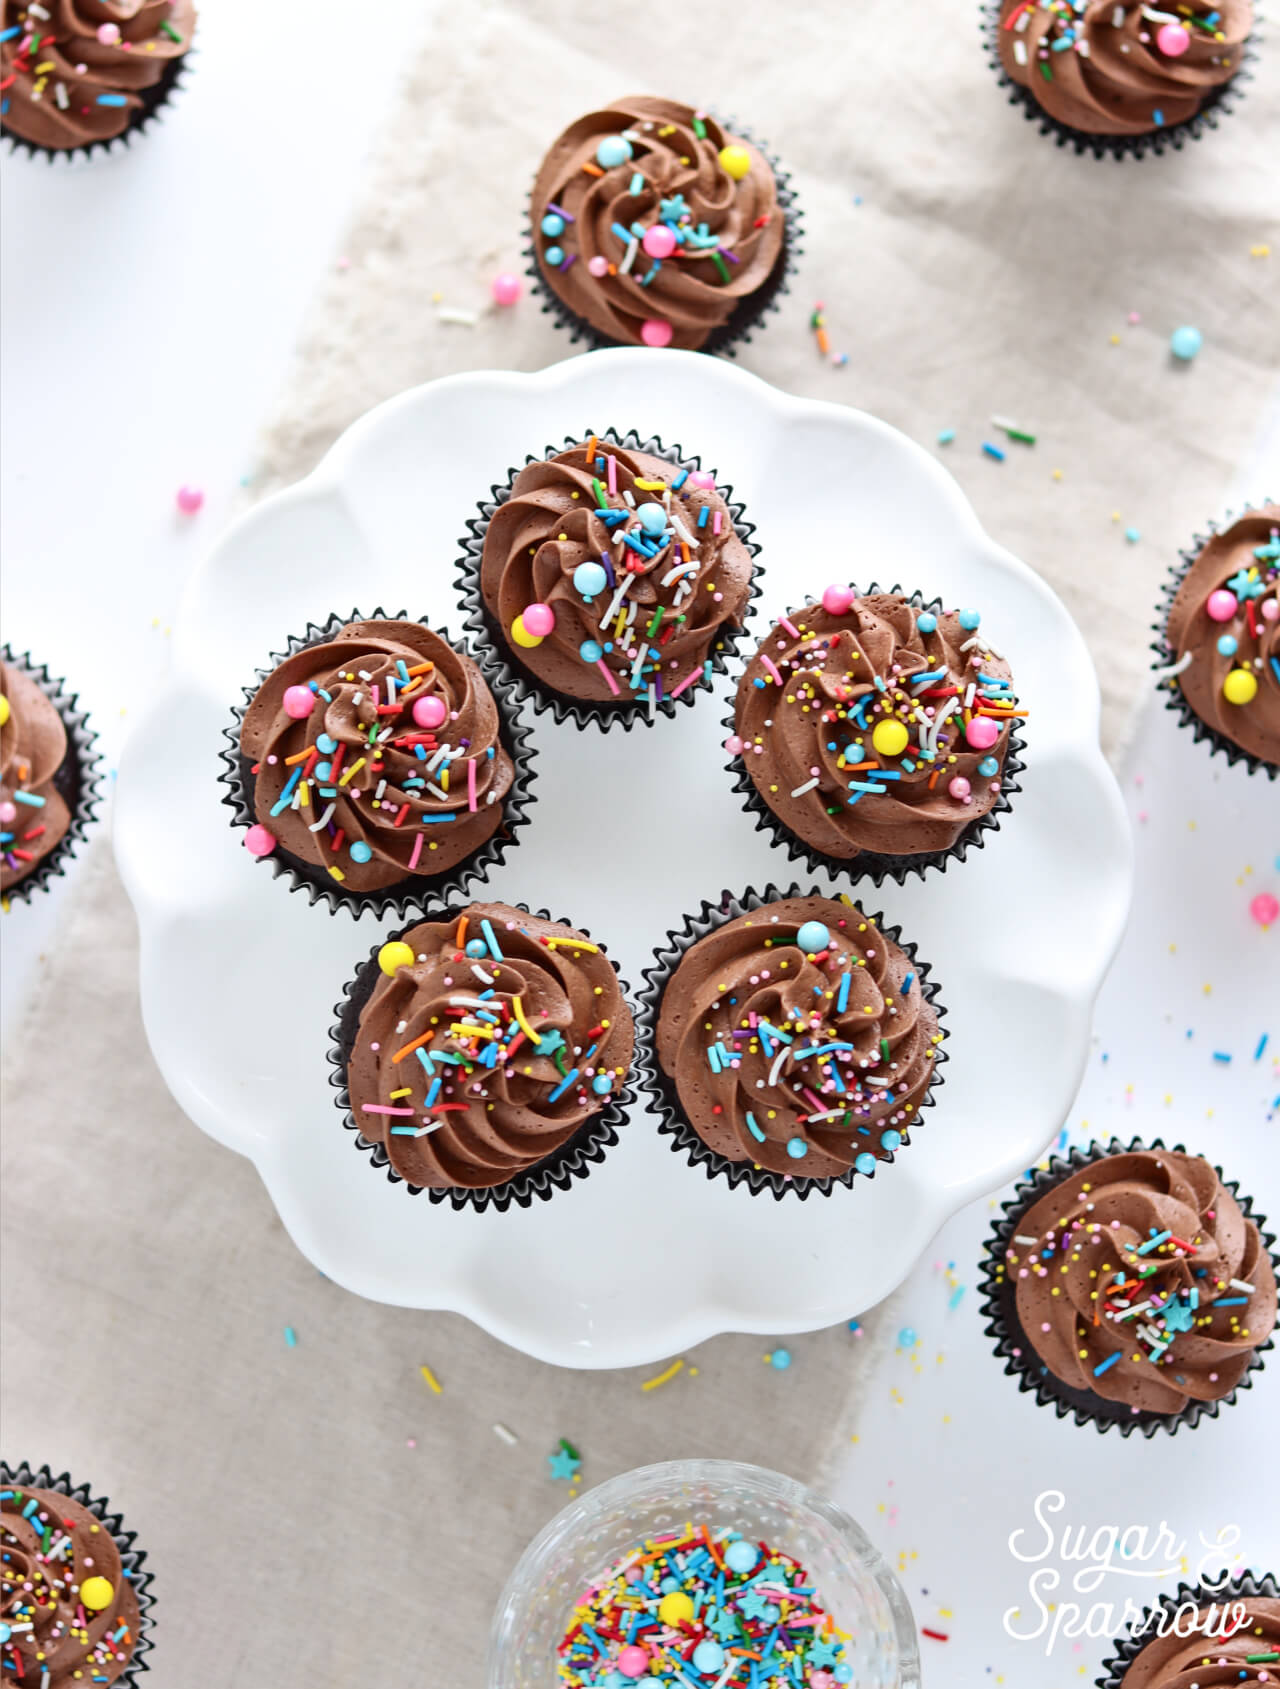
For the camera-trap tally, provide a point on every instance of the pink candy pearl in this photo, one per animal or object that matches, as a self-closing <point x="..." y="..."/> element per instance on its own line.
<point x="701" y="478"/>
<point x="659" y="241"/>
<point x="539" y="620"/>
<point x="837" y="600"/>
<point x="1173" y="40"/>
<point x="298" y="701"/>
<point x="108" y="34"/>
<point x="598" y="266"/>
<point x="632" y="1661"/>
<point x="1222" y="605"/>
<point x="8" y="811"/>
<point x="1264" y="909"/>
<point x="430" y="712"/>
<point x="506" y="288"/>
<point x="982" y="732"/>
<point x="1270" y="609"/>
<point x="822" y="1680"/>
<point x="189" y="500"/>
<point x="656" y="331"/>
<point x="258" y="841"/>
<point x="733" y="745"/>
<point x="959" y="789"/>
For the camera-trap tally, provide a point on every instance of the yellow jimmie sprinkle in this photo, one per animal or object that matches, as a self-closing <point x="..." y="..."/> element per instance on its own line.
<point x="574" y="943"/>
<point x="355" y="768"/>
<point x="675" y="1367"/>
<point x="431" y="1380"/>
<point x="517" y="1009"/>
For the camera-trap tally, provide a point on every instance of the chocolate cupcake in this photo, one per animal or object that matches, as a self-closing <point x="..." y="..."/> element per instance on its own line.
<point x="1202" y="1636"/>
<point x="1131" y="1287"/>
<point x="48" y="781"/>
<point x="483" y="1055"/>
<point x="653" y="224"/>
<point x="791" y="1041"/>
<point x="73" y="1593"/>
<point x="78" y="74"/>
<point x="1120" y="79"/>
<point x="1219" y="640"/>
<point x="374" y="766"/>
<point x="608" y="580"/>
<point x="873" y="735"/>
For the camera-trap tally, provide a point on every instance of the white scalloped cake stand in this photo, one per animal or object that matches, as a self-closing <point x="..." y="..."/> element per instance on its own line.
<point x="628" y="831"/>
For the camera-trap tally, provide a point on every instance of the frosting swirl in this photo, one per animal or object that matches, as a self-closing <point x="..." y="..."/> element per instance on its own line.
<point x="507" y="1031"/>
<point x="869" y="724"/>
<point x="77" y="73"/>
<point x="395" y="767"/>
<point x="797" y="1038"/>
<point x="1213" y="1661"/>
<point x="34" y="815"/>
<point x="1108" y="69"/>
<point x="71" y="1614"/>
<point x="635" y="559"/>
<point x="650" y="213"/>
<point x="1141" y="1280"/>
<point x="1224" y="634"/>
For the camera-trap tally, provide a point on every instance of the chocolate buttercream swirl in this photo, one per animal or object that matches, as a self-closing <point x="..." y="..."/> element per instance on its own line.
<point x="658" y="214"/>
<point x="485" y="1054"/>
<point x="396" y="768"/>
<point x="875" y="725"/>
<point x="1223" y="633"/>
<point x="1141" y="1280"/>
<point x="34" y="816"/>
<point x="71" y="1614"/>
<point x="1108" y="69"/>
<point x="638" y="561"/>
<point x="1212" y="1660"/>
<point x="77" y="74"/>
<point x="804" y="1061"/>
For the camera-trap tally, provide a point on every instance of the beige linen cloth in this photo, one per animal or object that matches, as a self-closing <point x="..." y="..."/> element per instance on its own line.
<point x="297" y="1538"/>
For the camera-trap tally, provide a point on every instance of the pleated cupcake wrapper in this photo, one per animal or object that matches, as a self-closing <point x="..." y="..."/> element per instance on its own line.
<point x="661" y="1087"/>
<point x="76" y="779"/>
<point x="868" y="864"/>
<point x="999" y="1306"/>
<point x="502" y="665"/>
<point x="557" y="1171"/>
<point x="23" y="1477"/>
<point x="154" y="103"/>
<point x="1175" y="699"/>
<point x="1199" y="1595"/>
<point x="749" y="312"/>
<point x="1171" y="137"/>
<point x="416" y="890"/>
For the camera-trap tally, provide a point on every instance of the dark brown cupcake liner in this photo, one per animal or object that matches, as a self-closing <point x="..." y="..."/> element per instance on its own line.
<point x="76" y="778"/>
<point x="21" y="1476"/>
<point x="1198" y="1595"/>
<point x="869" y="865"/>
<point x="1175" y="699"/>
<point x="502" y="665"/>
<point x="746" y="316"/>
<point x="664" y="1098"/>
<point x="573" y="1160"/>
<point x="1171" y="137"/>
<point x="999" y="1307"/>
<point x="413" y="893"/>
<point x="154" y="101"/>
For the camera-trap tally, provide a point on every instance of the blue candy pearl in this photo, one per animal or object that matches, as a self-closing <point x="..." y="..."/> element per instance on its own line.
<point x="1185" y="342"/>
<point x="322" y="771"/>
<point x="653" y="518"/>
<point x="927" y="622"/>
<point x="988" y="766"/>
<point x="361" y="852"/>
<point x="907" y="1338"/>
<point x="969" y="619"/>
<point x="708" y="1656"/>
<point x="590" y="578"/>
<point x="780" y="1360"/>
<point x="476" y="948"/>
<point x="602" y="1084"/>
<point x="813" y="937"/>
<point x="843" y="1674"/>
<point x="1227" y="645"/>
<point x="866" y="1163"/>
<point x="669" y="1585"/>
<point x="614" y="149"/>
<point x="554" y="256"/>
<point x="552" y="225"/>
<point x="740" y="1556"/>
<point x="590" y="651"/>
<point x="890" y="1139"/>
<point x="327" y="743"/>
<point x="797" y="1149"/>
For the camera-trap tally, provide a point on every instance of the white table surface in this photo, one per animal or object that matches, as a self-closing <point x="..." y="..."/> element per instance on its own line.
<point x="132" y="365"/>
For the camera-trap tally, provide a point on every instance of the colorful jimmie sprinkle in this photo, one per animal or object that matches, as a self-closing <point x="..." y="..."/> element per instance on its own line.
<point x="700" y="1611"/>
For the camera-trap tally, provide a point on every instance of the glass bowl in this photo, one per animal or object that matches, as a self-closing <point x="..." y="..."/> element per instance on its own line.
<point x="853" y="1582"/>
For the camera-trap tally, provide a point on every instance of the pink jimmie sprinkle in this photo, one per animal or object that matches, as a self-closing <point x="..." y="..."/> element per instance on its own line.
<point x="611" y="466"/>
<point x="715" y="521"/>
<point x="471" y="784"/>
<point x="417" y="849"/>
<point x="604" y="667"/>
<point x="772" y="668"/>
<point x="694" y="674"/>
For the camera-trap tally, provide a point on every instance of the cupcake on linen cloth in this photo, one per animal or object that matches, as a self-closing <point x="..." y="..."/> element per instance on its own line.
<point x="78" y="74"/>
<point x="48" y="784"/>
<point x="74" y="1599"/>
<point x="484" y="1054"/>
<point x="1120" y="77"/>
<point x="610" y="579"/>
<point x="1219" y="640"/>
<point x="791" y="1041"/>
<point x="875" y="735"/>
<point x="653" y="224"/>
<point x="373" y="765"/>
<point x="1131" y="1286"/>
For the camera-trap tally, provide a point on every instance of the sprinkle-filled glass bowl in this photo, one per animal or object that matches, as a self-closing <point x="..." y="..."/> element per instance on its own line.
<point x="852" y="1580"/>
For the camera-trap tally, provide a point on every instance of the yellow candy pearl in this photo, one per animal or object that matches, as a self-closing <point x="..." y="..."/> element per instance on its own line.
<point x="97" y="1593"/>
<point x="4" y="709"/>
<point x="889" y="738"/>
<point x="395" y="955"/>
<point x="735" y="162"/>
<point x="1240" y="687"/>
<point x="675" y="1608"/>
<point x="521" y="634"/>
